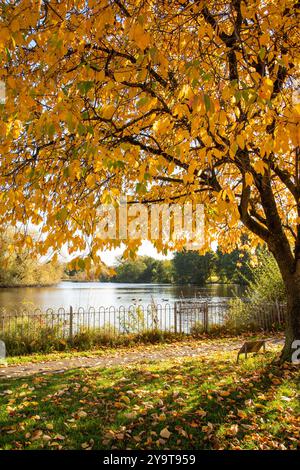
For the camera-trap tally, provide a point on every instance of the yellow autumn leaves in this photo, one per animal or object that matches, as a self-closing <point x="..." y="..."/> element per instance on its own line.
<point x="140" y="37"/>
<point x="118" y="99"/>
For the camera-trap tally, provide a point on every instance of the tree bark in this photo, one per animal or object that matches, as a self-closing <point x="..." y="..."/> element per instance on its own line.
<point x="290" y="271"/>
<point x="292" y="331"/>
<point x="291" y="279"/>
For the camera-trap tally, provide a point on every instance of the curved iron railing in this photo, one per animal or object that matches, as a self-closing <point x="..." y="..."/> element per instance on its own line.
<point x="184" y="316"/>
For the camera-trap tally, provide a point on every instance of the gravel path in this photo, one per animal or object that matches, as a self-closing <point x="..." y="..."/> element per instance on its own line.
<point x="168" y="351"/>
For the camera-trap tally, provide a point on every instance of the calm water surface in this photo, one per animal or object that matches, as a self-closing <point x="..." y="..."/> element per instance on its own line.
<point x="95" y="294"/>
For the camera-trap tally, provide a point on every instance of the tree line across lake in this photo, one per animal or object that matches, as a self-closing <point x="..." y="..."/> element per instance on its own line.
<point x="186" y="267"/>
<point x="24" y="268"/>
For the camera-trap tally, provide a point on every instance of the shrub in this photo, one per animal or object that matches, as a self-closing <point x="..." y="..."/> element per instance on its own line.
<point x="263" y="295"/>
<point x="197" y="329"/>
<point x="31" y="334"/>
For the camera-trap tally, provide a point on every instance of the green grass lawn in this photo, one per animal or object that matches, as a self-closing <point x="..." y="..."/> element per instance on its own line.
<point x="184" y="403"/>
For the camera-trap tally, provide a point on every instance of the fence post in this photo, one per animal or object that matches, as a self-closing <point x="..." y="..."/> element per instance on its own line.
<point x="175" y="317"/>
<point x="180" y="321"/>
<point x="2" y="324"/>
<point x="71" y="324"/>
<point x="205" y="317"/>
<point x="278" y="311"/>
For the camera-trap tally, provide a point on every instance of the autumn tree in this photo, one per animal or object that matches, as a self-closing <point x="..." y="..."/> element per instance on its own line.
<point x="23" y="268"/>
<point x="163" y="100"/>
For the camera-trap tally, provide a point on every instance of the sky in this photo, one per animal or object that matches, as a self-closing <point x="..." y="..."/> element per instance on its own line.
<point x="109" y="257"/>
<point x="146" y="249"/>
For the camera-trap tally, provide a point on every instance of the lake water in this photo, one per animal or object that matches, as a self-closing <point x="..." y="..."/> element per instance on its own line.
<point x="95" y="294"/>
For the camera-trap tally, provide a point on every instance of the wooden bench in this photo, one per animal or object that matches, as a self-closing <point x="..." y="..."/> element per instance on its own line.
<point x="251" y="347"/>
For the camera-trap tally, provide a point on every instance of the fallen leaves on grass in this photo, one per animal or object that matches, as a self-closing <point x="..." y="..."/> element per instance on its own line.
<point x="165" y="433"/>
<point x="181" y="403"/>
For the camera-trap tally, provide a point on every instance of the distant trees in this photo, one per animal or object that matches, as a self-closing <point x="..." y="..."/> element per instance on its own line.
<point x="23" y="268"/>
<point x="143" y="269"/>
<point x="192" y="268"/>
<point x="129" y="270"/>
<point x="186" y="267"/>
<point x="157" y="270"/>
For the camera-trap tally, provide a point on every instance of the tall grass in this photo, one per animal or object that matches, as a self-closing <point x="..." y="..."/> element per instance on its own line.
<point x="26" y="335"/>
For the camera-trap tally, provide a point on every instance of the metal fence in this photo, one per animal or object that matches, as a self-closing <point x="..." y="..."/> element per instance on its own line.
<point x="184" y="316"/>
<point x="266" y="316"/>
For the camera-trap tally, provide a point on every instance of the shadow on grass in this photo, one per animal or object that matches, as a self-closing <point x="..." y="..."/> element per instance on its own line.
<point x="204" y="404"/>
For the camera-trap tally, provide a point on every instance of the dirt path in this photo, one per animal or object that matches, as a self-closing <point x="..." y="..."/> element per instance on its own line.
<point x="168" y="351"/>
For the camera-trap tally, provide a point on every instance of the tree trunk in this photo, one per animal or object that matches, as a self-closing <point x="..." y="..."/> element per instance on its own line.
<point x="292" y="331"/>
<point x="291" y="279"/>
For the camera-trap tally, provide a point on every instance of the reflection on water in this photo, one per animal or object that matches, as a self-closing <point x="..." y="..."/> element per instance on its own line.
<point x="87" y="294"/>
